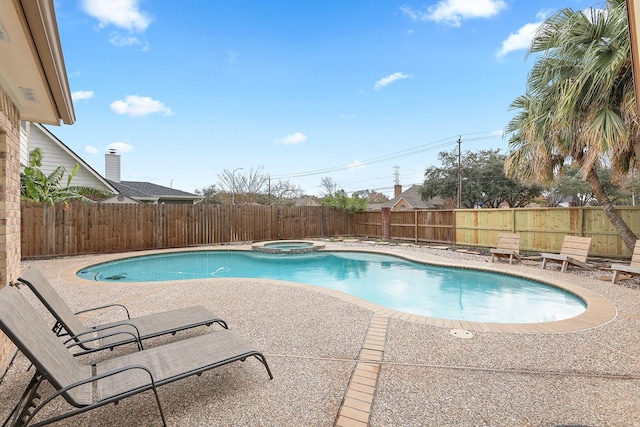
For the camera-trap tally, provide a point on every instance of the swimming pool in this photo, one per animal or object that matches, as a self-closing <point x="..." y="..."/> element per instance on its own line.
<point x="394" y="282"/>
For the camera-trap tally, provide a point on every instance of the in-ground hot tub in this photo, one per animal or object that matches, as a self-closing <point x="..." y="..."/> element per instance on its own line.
<point x="287" y="247"/>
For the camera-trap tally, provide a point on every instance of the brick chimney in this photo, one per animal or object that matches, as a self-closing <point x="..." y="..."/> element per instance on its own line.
<point x="112" y="165"/>
<point x="397" y="190"/>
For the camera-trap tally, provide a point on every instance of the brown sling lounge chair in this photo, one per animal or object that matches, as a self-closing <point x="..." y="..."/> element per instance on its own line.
<point x="88" y="386"/>
<point x="574" y="251"/>
<point x="110" y="335"/>
<point x="508" y="246"/>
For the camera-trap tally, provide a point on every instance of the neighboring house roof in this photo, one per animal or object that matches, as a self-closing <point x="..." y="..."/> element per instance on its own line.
<point x="33" y="73"/>
<point x="55" y="153"/>
<point x="306" y="201"/>
<point x="412" y="199"/>
<point x="149" y="192"/>
<point x="374" y="206"/>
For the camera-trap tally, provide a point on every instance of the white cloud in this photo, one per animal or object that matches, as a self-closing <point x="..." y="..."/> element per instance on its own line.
<point x="519" y="40"/>
<point x="119" y="13"/>
<point x="121" y="41"/>
<point x="82" y="94"/>
<point x="453" y="12"/>
<point x="118" y="40"/>
<point x="544" y="14"/>
<point x="89" y="149"/>
<point x="522" y="38"/>
<point x="499" y="133"/>
<point x="135" y="105"/>
<point x="120" y="147"/>
<point x="294" y="138"/>
<point x="356" y="164"/>
<point x="389" y="79"/>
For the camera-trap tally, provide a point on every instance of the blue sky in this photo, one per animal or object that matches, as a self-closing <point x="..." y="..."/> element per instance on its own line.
<point x="304" y="90"/>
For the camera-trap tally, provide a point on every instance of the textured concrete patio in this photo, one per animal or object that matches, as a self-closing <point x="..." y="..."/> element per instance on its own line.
<point x="341" y="361"/>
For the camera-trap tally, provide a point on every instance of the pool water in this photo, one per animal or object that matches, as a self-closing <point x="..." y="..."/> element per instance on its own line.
<point x="411" y="287"/>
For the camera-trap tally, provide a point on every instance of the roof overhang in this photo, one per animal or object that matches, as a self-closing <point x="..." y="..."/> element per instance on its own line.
<point x="145" y="199"/>
<point x="32" y="69"/>
<point x="633" y="13"/>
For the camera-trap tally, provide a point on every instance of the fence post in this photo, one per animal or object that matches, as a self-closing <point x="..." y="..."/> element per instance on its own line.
<point x="385" y="213"/>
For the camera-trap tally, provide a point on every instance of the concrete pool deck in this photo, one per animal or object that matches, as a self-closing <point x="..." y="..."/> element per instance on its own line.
<point x="338" y="361"/>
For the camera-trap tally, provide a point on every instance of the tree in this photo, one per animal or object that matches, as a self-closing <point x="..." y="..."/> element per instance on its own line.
<point x="246" y="188"/>
<point x="281" y="191"/>
<point x="579" y="105"/>
<point x="571" y="185"/>
<point x="371" y="196"/>
<point x="36" y="186"/>
<point x="211" y="195"/>
<point x="484" y="182"/>
<point x="328" y="187"/>
<point x="92" y="193"/>
<point x="340" y="200"/>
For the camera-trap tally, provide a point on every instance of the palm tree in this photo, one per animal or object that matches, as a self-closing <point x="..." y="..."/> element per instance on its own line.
<point x="579" y="105"/>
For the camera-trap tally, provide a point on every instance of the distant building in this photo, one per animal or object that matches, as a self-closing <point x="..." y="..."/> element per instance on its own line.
<point x="141" y="191"/>
<point x="306" y="201"/>
<point x="55" y="153"/>
<point x="411" y="199"/>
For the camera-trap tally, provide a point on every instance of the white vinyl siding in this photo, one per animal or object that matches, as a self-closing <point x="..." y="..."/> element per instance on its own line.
<point x="54" y="155"/>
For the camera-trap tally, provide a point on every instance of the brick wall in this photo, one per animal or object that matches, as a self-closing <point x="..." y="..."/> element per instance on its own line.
<point x="9" y="207"/>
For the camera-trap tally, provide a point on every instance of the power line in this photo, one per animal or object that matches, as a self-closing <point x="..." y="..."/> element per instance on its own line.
<point x="408" y="152"/>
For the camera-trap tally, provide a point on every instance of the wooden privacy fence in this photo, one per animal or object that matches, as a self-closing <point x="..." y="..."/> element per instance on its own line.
<point x="540" y="229"/>
<point x="426" y="225"/>
<point x="543" y="229"/>
<point x="85" y="228"/>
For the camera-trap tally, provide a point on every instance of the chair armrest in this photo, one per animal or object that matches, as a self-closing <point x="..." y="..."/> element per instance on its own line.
<point x="60" y="392"/>
<point x="105" y="306"/>
<point x="134" y="334"/>
<point x="559" y="257"/>
<point x="80" y="343"/>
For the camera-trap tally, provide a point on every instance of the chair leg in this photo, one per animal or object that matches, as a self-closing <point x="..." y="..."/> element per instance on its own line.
<point x="155" y="392"/>
<point x="544" y="263"/>
<point x="565" y="264"/>
<point x="23" y="410"/>
<point x="614" y="279"/>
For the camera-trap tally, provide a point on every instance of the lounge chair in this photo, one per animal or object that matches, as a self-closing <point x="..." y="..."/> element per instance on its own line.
<point x="110" y="335"/>
<point x="508" y="246"/>
<point x="633" y="269"/>
<point x="574" y="251"/>
<point x="87" y="386"/>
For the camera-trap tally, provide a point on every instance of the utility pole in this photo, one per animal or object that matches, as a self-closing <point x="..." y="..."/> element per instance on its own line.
<point x="459" y="202"/>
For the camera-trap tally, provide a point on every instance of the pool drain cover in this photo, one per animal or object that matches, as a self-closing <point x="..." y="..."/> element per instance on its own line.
<point x="461" y="333"/>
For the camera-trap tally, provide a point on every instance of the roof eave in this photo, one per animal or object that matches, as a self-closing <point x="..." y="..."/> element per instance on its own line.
<point x="181" y="197"/>
<point x="43" y="28"/>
